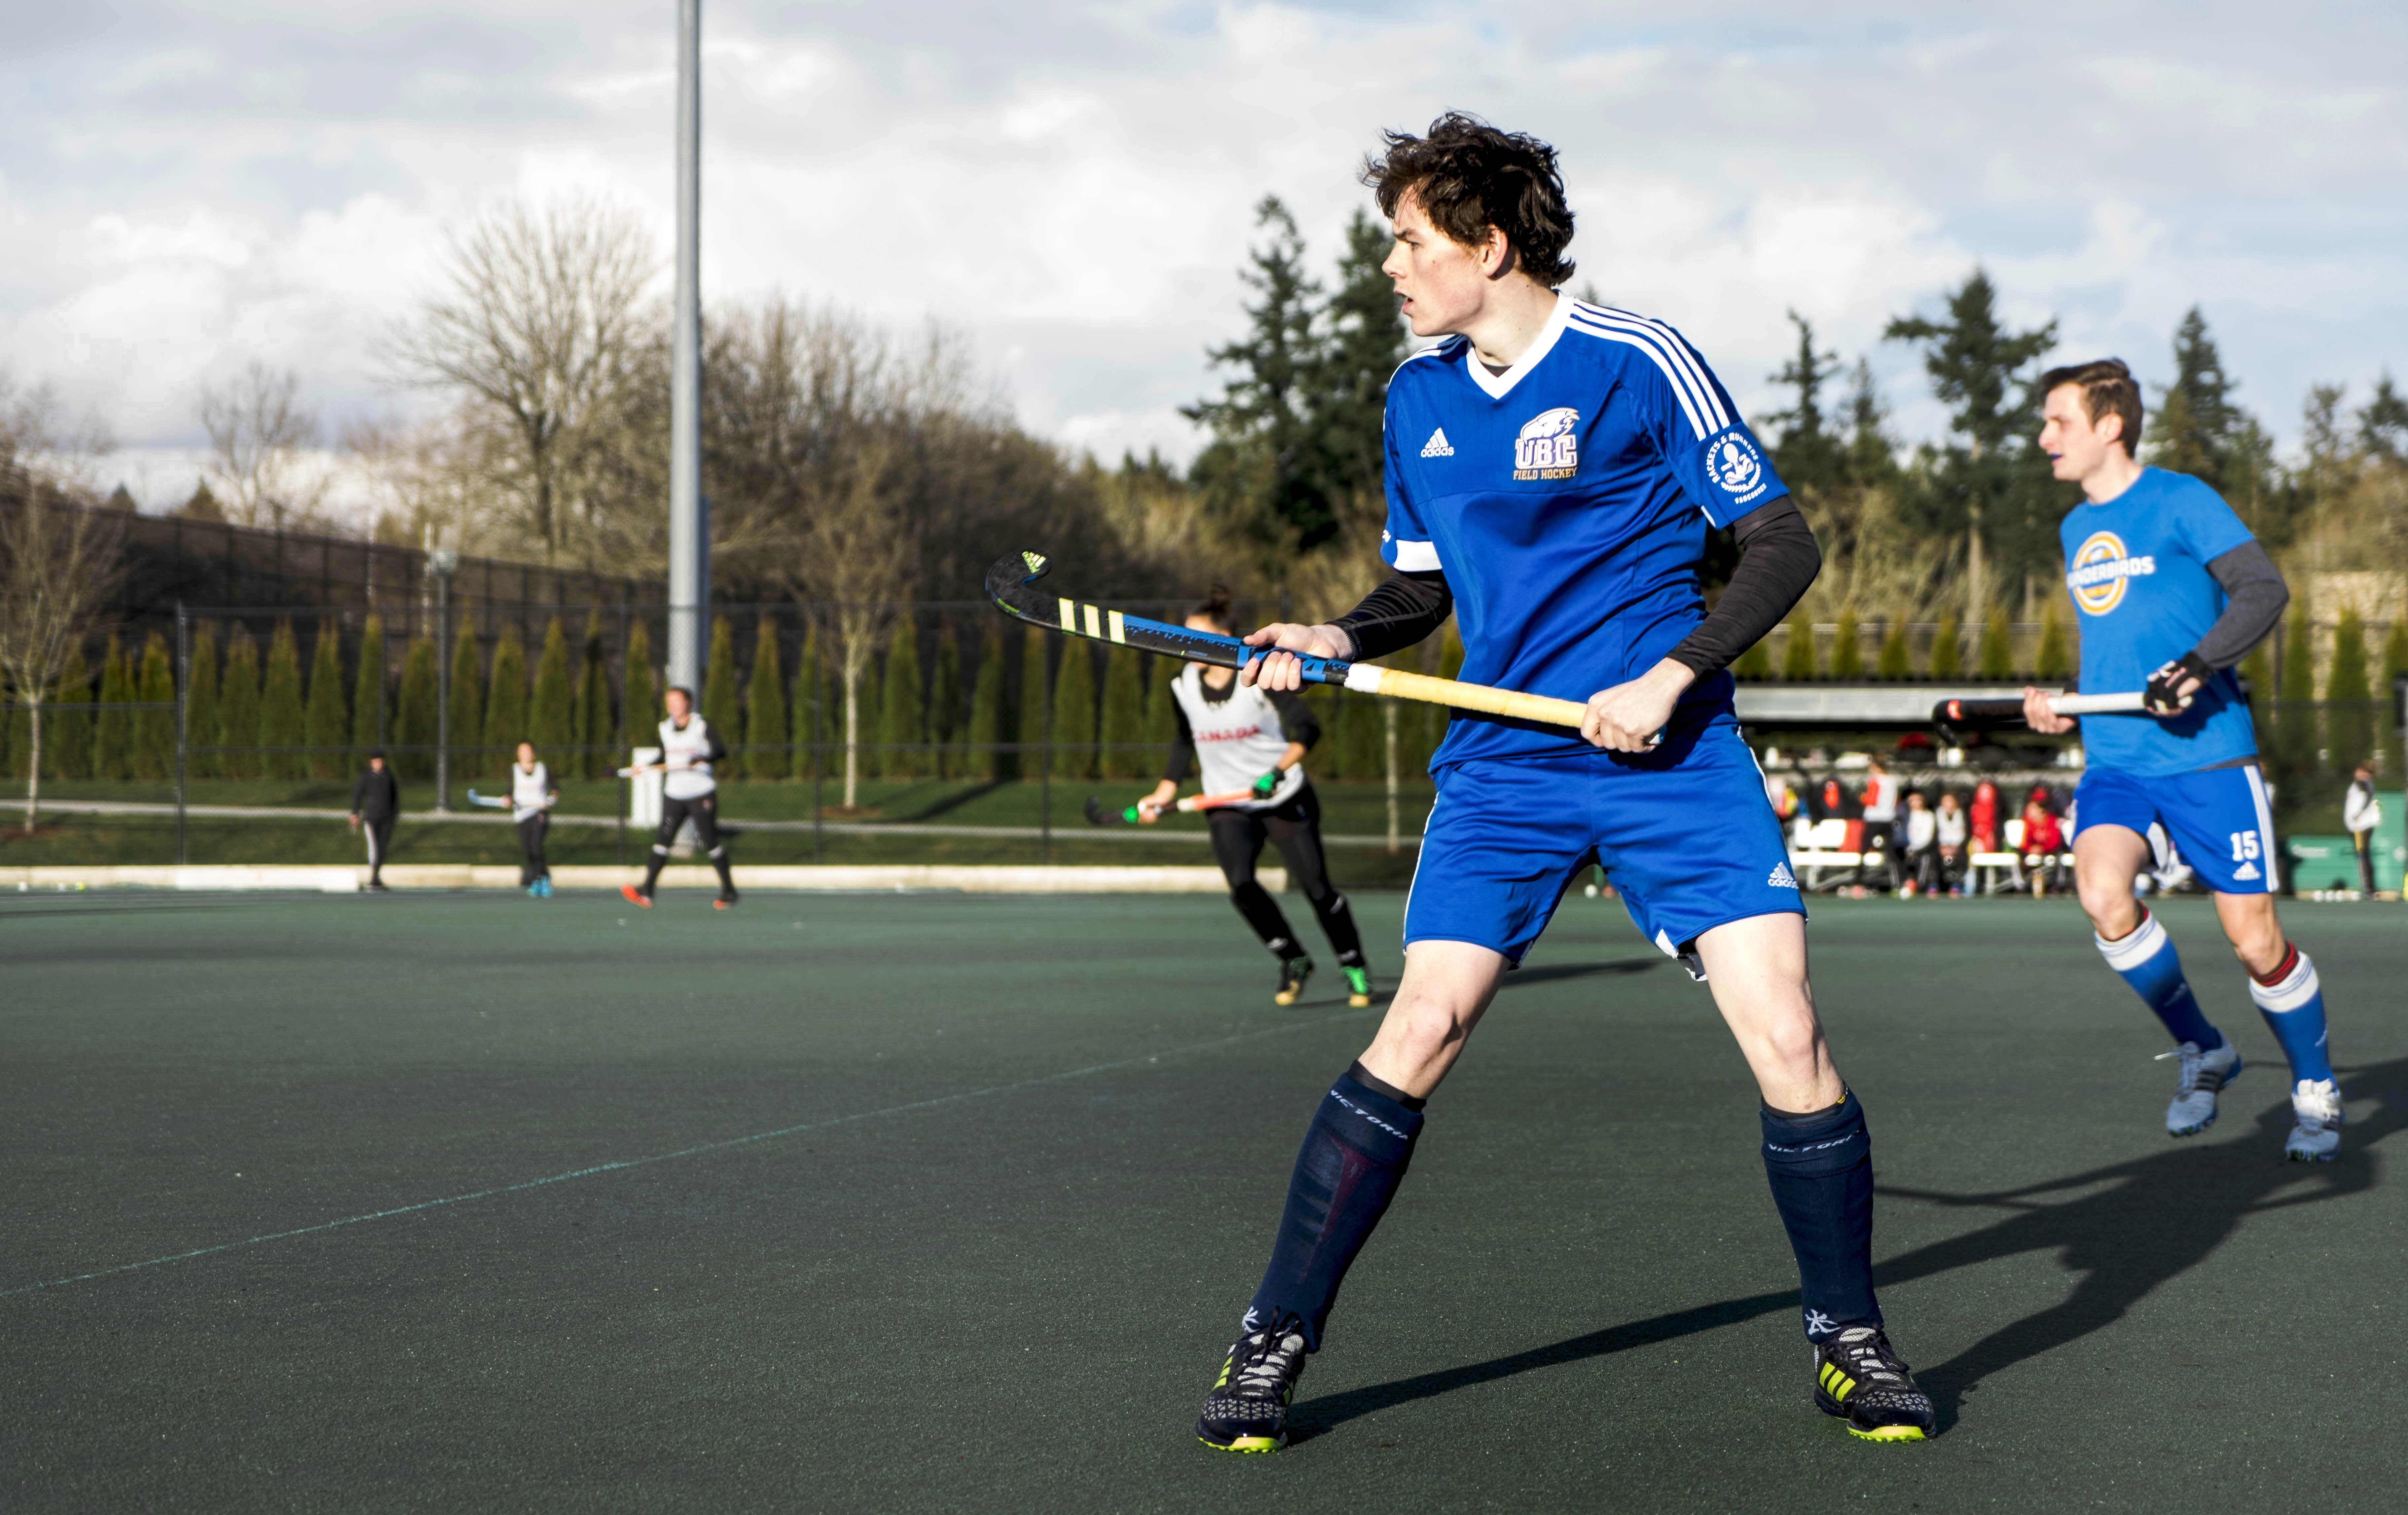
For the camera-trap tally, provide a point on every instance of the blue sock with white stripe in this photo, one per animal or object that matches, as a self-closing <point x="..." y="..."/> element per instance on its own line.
<point x="2146" y="959"/>
<point x="2293" y="1003"/>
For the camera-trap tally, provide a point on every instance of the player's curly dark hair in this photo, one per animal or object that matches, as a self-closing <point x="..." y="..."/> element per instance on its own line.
<point x="1214" y="609"/>
<point x="1467" y="175"/>
<point x="2108" y="389"/>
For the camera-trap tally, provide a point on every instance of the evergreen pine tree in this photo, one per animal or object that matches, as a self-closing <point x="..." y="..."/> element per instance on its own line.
<point x="640" y="703"/>
<point x="903" y="714"/>
<point x="2258" y="678"/>
<point x="986" y="711"/>
<point x="2349" y="717"/>
<point x="722" y="697"/>
<point x="1895" y="660"/>
<point x="327" y="725"/>
<point x="1797" y="660"/>
<point x="591" y="714"/>
<point x="1808" y="454"/>
<point x="2395" y="664"/>
<point x="1756" y="663"/>
<point x="506" y="695"/>
<point x="1996" y="657"/>
<point x="238" y="708"/>
<point x="1074" y="713"/>
<point x="1848" y="646"/>
<point x="765" y="706"/>
<point x="112" y="747"/>
<point x="468" y="752"/>
<point x="283" y="724"/>
<point x="1161" y="714"/>
<point x="1123" y="754"/>
<point x="414" y="713"/>
<point x="154" y="730"/>
<point x="200" y="706"/>
<point x="805" y="710"/>
<point x="1947" y="648"/>
<point x="2055" y="658"/>
<point x="1030" y="729"/>
<point x="1363" y="340"/>
<point x="945" y="705"/>
<point x="549" y="719"/>
<point x="2295" y="726"/>
<point x="369" y="713"/>
<point x="2198" y="429"/>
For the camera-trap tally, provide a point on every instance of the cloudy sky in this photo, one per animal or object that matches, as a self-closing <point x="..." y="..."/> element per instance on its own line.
<point x="185" y="188"/>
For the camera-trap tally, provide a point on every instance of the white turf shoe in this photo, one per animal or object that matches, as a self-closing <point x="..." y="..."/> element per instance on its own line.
<point x="2193" y="1110"/>
<point x="2316" y="1109"/>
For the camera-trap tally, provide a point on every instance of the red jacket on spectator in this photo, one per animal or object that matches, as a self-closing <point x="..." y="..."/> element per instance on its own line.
<point x="2042" y="833"/>
<point x="1981" y="817"/>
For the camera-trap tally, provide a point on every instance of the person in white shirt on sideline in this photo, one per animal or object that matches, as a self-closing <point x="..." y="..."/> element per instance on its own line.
<point x="1950" y="831"/>
<point x="1881" y="817"/>
<point x="2359" y="811"/>
<point x="532" y="799"/>
<point x="689" y="792"/>
<point x="1922" y="845"/>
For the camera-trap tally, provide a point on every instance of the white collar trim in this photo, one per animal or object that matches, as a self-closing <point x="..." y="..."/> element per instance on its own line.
<point x="1497" y="385"/>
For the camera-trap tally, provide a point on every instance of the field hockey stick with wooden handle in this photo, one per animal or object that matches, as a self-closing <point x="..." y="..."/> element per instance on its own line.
<point x="1966" y="712"/>
<point x="1011" y="583"/>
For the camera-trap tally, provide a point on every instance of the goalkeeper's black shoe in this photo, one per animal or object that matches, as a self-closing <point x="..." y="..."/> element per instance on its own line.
<point x="1247" y="1409"/>
<point x="1859" y="1377"/>
<point x="725" y="901"/>
<point x="1293" y="973"/>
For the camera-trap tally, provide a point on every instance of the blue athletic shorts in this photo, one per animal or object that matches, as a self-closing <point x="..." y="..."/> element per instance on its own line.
<point x="2218" y="818"/>
<point x="1684" y="832"/>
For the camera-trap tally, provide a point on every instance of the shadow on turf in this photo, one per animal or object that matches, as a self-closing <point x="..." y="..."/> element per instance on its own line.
<point x="1557" y="972"/>
<point x="2141" y="1224"/>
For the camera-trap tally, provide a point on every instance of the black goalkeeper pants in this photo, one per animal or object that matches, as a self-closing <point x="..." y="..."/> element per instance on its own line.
<point x="1295" y="829"/>
<point x="378" y="829"/>
<point x="531" y="832"/>
<point x="703" y="810"/>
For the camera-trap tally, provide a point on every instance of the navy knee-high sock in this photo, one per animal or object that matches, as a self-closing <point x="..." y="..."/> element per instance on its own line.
<point x="1353" y="1157"/>
<point x="1822" y="1173"/>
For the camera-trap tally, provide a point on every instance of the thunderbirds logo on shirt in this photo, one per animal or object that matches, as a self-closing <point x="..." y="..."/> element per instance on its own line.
<point x="1733" y="463"/>
<point x="2098" y="571"/>
<point x="1548" y="447"/>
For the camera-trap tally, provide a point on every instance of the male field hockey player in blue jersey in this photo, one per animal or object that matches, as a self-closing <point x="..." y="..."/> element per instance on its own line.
<point x="1552" y="470"/>
<point x="2174" y="591"/>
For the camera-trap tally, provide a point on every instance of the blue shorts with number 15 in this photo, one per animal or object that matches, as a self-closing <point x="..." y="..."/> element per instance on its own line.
<point x="2220" y="819"/>
<point x="1685" y="832"/>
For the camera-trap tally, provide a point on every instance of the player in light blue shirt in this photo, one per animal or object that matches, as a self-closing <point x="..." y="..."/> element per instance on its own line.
<point x="2173" y="591"/>
<point x="1553" y="471"/>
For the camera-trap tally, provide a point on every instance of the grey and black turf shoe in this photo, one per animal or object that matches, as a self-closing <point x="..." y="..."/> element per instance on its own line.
<point x="1860" y="1378"/>
<point x="1247" y="1409"/>
<point x="2315" y="1121"/>
<point x="1294" y="971"/>
<point x="2203" y="1075"/>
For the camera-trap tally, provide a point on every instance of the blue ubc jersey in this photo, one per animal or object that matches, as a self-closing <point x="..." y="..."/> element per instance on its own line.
<point x="2137" y="569"/>
<point x="1567" y="501"/>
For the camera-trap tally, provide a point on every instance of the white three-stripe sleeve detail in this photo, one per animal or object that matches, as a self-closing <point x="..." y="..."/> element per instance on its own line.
<point x="1672" y="376"/>
<point x="1417" y="557"/>
<point x="1675" y="356"/>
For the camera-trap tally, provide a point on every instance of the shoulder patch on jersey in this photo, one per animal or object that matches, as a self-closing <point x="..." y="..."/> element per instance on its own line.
<point x="1735" y="465"/>
<point x="1437" y="446"/>
<point x="1548" y="445"/>
<point x="2100" y="570"/>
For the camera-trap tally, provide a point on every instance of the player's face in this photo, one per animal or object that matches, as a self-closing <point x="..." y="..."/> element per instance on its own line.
<point x="1443" y="283"/>
<point x="2074" y="447"/>
<point x="526" y="756"/>
<point x="676" y="705"/>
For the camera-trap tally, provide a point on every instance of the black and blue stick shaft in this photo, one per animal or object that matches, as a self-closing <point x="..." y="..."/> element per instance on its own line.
<point x="1011" y="583"/>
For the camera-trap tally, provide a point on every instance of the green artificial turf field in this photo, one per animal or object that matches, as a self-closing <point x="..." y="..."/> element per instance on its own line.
<point x="938" y="1202"/>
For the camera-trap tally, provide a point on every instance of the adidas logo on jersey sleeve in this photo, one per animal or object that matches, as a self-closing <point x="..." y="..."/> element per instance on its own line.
<point x="1782" y="878"/>
<point x="1437" y="446"/>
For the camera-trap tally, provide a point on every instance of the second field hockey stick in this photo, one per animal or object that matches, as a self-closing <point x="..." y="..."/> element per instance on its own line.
<point x="1959" y="712"/>
<point x="491" y="802"/>
<point x="1009" y="583"/>
<point x="1099" y="816"/>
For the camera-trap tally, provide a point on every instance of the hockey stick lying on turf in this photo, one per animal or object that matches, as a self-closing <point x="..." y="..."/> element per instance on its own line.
<point x="1009" y="584"/>
<point x="1099" y="816"/>
<point x="1959" y="712"/>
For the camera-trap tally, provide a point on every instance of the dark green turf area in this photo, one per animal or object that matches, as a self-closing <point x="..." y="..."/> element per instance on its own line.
<point x="1032" y="1152"/>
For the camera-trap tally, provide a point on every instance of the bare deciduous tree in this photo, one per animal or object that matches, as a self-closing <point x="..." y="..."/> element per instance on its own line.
<point x="539" y="320"/>
<point x="854" y="555"/>
<point x="258" y="432"/>
<point x="58" y="561"/>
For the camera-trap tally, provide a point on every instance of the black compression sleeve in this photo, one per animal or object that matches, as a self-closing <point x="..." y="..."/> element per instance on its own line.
<point x="1295" y="718"/>
<point x="1183" y="746"/>
<point x="2255" y="598"/>
<point x="717" y="753"/>
<point x="1400" y="612"/>
<point x="1777" y="561"/>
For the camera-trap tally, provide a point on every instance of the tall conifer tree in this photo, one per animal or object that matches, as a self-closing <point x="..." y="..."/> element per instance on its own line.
<point x="1074" y="712"/>
<point x="283" y="726"/>
<point x="154" y="729"/>
<point x="238" y="708"/>
<point x="640" y="700"/>
<point x="1797" y="660"/>
<point x="986" y="727"/>
<point x="201" y="705"/>
<point x="765" y="708"/>
<point x="415" y="710"/>
<point x="1947" y="648"/>
<point x="945" y="704"/>
<point x="722" y="698"/>
<point x="506" y="695"/>
<point x="902" y="725"/>
<point x="328" y="724"/>
<point x="468" y="706"/>
<point x="594" y="726"/>
<point x="368" y="712"/>
<point x="1996" y="658"/>
<point x="112" y="750"/>
<point x="550" y="722"/>
<point x="1035" y="703"/>
<point x="806" y="710"/>
<point x="1124" y="717"/>
<point x="2349" y="722"/>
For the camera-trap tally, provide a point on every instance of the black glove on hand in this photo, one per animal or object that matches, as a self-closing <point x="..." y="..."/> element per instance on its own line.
<point x="2160" y="699"/>
<point x="1269" y="784"/>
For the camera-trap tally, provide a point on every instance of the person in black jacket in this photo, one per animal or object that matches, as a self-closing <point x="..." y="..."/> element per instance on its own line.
<point x="376" y="804"/>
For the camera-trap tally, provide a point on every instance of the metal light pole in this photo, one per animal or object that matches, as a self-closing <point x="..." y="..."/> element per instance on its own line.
<point x="689" y="512"/>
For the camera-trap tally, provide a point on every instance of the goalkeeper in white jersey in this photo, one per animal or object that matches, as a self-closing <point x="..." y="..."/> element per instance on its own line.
<point x="1250" y="745"/>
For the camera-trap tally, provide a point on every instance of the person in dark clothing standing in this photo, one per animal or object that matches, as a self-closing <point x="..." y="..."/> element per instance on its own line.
<point x="376" y="805"/>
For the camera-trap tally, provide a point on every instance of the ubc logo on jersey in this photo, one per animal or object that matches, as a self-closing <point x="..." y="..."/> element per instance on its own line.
<point x="1733" y="463"/>
<point x="1437" y="446"/>
<point x="2100" y="570"/>
<point x="1548" y="448"/>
